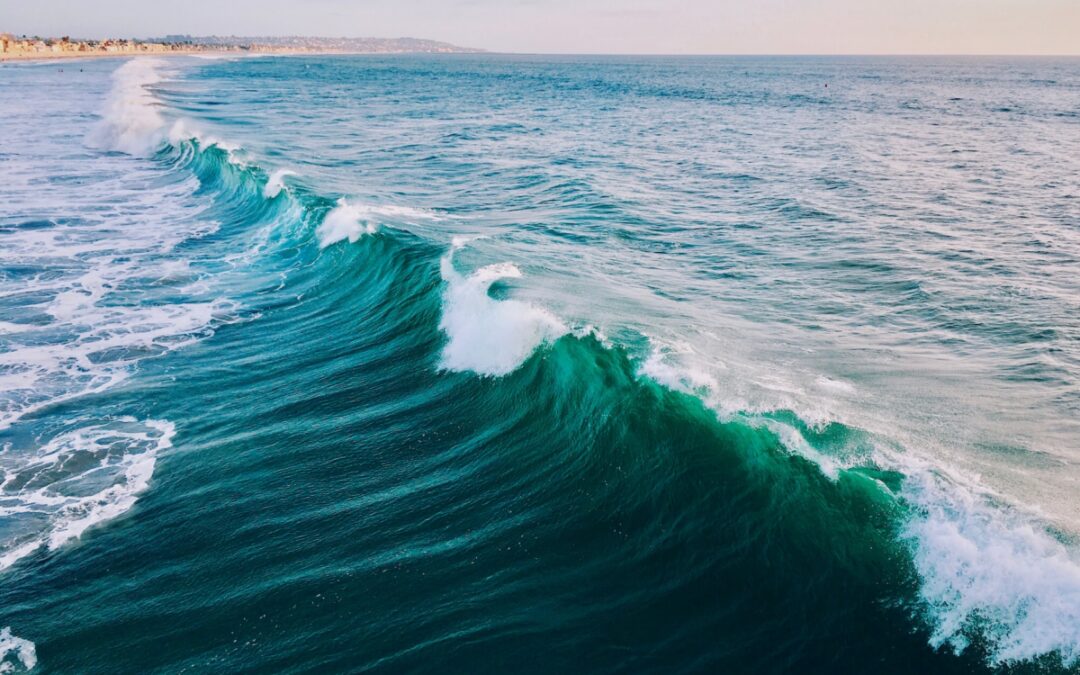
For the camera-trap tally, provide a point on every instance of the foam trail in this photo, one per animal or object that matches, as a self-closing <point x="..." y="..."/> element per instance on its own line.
<point x="352" y="221"/>
<point x="121" y="455"/>
<point x="131" y="122"/>
<point x="276" y="183"/>
<point x="488" y="336"/>
<point x="14" y="648"/>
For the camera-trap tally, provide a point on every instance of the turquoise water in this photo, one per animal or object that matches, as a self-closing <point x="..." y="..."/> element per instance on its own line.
<point x="545" y="364"/>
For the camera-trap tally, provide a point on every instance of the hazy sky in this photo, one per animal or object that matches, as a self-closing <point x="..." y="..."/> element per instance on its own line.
<point x="608" y="26"/>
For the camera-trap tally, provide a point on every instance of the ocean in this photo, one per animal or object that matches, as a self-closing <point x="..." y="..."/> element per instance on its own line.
<point x="484" y="364"/>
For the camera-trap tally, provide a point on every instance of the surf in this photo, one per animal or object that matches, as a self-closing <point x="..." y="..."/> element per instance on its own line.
<point x="380" y="328"/>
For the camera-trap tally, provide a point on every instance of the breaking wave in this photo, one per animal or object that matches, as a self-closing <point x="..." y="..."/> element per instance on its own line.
<point x="987" y="573"/>
<point x="485" y="335"/>
<point x="276" y="183"/>
<point x="351" y="221"/>
<point x="131" y="119"/>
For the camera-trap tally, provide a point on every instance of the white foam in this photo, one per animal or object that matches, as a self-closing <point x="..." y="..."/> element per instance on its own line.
<point x="488" y="336"/>
<point x="111" y="288"/>
<point x="14" y="648"/>
<point x="131" y="121"/>
<point x="182" y="131"/>
<point x="679" y="368"/>
<point x="48" y="504"/>
<point x="663" y="366"/>
<point x="276" y="183"/>
<point x="89" y="328"/>
<point x="834" y="386"/>
<point x="353" y="220"/>
<point x="987" y="569"/>
<point x="96" y="343"/>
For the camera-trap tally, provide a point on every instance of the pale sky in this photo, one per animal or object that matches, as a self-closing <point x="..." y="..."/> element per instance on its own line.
<point x="593" y="26"/>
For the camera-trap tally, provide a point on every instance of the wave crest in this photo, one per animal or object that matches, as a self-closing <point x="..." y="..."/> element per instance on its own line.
<point x="276" y="183"/>
<point x="353" y="220"/>
<point x="488" y="336"/>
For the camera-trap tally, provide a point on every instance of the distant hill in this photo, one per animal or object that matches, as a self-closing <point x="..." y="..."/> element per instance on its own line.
<point x="300" y="43"/>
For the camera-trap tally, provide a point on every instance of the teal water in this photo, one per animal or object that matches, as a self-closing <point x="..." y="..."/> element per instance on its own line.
<point x="489" y="363"/>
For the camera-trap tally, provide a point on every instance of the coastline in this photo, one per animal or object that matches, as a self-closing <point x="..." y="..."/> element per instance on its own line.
<point x="26" y="56"/>
<point x="61" y="56"/>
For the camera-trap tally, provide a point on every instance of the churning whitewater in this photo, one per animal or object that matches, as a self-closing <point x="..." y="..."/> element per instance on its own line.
<point x="344" y="363"/>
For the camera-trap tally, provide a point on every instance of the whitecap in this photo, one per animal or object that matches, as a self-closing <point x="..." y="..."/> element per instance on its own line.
<point x="352" y="221"/>
<point x="182" y="131"/>
<point x="663" y="366"/>
<point x="488" y="336"/>
<point x="276" y="183"/>
<point x="991" y="571"/>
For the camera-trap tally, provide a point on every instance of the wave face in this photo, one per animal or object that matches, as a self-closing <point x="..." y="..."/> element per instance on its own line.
<point x="432" y="364"/>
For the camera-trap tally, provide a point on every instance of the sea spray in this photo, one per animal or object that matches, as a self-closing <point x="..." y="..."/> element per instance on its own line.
<point x="131" y="121"/>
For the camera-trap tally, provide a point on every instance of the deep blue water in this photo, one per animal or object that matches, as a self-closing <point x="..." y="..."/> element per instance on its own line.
<point x="544" y="364"/>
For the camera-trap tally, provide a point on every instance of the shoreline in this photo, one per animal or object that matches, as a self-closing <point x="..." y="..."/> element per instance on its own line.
<point x="62" y="56"/>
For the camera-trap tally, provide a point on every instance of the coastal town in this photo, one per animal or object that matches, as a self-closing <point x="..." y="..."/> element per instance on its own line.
<point x="36" y="47"/>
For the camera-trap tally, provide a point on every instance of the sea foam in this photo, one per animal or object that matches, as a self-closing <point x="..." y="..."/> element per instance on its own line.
<point x="15" y="650"/>
<point x="987" y="570"/>
<point x="111" y="290"/>
<point x="484" y="335"/>
<point x="113" y="462"/>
